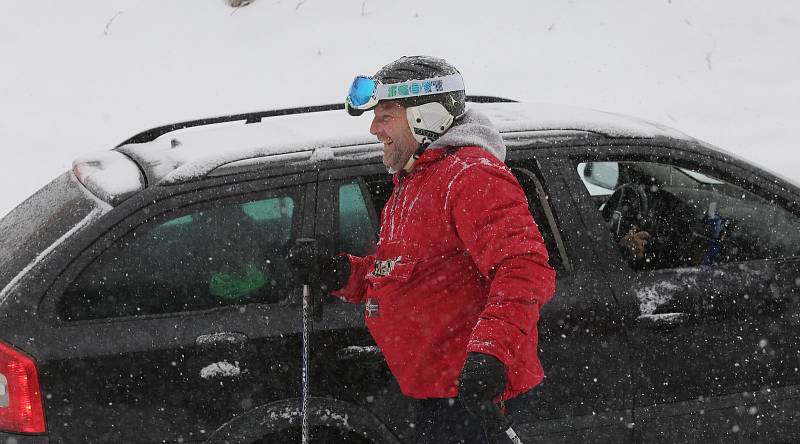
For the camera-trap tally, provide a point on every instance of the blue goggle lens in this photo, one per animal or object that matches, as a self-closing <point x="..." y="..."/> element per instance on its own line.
<point x="361" y="91"/>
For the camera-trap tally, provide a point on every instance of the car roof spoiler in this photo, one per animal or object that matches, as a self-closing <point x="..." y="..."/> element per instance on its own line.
<point x="255" y="117"/>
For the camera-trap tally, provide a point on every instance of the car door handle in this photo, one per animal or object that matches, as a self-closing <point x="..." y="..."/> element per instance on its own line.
<point x="359" y="353"/>
<point x="661" y="320"/>
<point x="226" y="337"/>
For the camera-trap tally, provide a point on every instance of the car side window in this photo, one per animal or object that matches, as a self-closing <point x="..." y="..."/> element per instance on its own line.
<point x="356" y="232"/>
<point x="666" y="216"/>
<point x="380" y="188"/>
<point x="544" y="217"/>
<point x="225" y="253"/>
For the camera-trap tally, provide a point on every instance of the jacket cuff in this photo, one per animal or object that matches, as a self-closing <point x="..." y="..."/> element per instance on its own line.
<point x="503" y="340"/>
<point x="497" y="338"/>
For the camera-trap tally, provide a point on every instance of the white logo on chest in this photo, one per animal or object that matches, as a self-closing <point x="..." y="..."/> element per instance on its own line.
<point x="383" y="268"/>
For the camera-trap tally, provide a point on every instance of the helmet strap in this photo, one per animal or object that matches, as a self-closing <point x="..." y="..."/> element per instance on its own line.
<point x="427" y="122"/>
<point x="410" y="162"/>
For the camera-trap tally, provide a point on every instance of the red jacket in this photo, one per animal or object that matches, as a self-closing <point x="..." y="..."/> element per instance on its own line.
<point x="460" y="267"/>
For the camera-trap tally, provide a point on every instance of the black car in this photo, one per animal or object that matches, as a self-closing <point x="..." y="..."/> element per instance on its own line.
<point x="148" y="295"/>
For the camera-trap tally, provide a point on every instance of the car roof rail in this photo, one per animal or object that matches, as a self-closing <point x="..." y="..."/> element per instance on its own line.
<point x="255" y="117"/>
<point x="489" y="99"/>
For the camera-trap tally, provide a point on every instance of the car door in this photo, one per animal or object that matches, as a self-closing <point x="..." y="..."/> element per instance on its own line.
<point x="715" y="341"/>
<point x="182" y="315"/>
<point x="586" y="394"/>
<point x="346" y="361"/>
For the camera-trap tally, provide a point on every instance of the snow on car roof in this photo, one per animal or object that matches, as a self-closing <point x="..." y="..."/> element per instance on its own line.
<point x="509" y="117"/>
<point x="193" y="152"/>
<point x="190" y="153"/>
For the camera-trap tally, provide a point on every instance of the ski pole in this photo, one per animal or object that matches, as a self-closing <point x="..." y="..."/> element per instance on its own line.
<point x="306" y="328"/>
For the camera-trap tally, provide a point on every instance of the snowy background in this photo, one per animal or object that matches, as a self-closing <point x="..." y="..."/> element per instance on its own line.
<point x="84" y="75"/>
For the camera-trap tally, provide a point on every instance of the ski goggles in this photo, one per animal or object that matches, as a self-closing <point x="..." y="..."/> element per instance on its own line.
<point x="366" y="92"/>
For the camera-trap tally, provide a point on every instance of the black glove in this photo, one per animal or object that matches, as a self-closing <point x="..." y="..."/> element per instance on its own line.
<point x="334" y="273"/>
<point x="301" y="259"/>
<point x="308" y="263"/>
<point x="483" y="378"/>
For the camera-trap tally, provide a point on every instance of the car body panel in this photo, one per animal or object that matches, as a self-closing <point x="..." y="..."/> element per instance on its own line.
<point x="39" y="223"/>
<point x="731" y="360"/>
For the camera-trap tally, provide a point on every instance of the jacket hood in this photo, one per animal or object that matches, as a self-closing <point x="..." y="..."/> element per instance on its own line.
<point x="473" y="129"/>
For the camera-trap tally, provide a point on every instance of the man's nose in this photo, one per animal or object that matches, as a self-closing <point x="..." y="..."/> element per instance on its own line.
<point x="373" y="127"/>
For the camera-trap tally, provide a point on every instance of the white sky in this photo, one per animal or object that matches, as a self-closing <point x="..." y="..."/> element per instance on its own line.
<point x="82" y="76"/>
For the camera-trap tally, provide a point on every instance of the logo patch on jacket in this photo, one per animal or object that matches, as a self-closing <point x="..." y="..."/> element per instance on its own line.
<point x="383" y="268"/>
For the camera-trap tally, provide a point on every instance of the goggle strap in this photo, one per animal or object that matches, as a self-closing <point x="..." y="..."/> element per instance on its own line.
<point x="414" y="88"/>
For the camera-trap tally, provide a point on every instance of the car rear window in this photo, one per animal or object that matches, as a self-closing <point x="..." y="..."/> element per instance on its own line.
<point x="36" y="223"/>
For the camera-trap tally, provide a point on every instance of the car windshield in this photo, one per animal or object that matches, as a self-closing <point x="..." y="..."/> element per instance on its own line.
<point x="38" y="222"/>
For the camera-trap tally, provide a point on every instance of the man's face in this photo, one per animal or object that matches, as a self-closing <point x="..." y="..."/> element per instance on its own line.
<point x="391" y="128"/>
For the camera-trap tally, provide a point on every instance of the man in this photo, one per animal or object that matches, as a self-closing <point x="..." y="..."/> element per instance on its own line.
<point x="656" y="229"/>
<point x="453" y="292"/>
